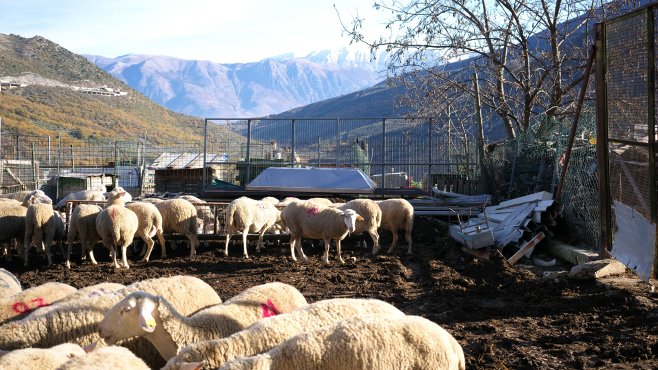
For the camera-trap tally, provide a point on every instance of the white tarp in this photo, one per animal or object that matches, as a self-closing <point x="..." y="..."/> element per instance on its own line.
<point x="310" y="179"/>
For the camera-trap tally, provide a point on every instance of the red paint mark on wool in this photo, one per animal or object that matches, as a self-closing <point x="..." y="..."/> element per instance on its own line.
<point x="22" y="307"/>
<point x="312" y="211"/>
<point x="113" y="213"/>
<point x="269" y="309"/>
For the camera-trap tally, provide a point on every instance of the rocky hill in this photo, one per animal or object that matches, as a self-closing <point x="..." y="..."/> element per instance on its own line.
<point x="47" y="90"/>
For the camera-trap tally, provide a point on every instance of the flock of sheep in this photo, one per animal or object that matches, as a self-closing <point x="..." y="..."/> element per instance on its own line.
<point x="29" y="217"/>
<point x="180" y="322"/>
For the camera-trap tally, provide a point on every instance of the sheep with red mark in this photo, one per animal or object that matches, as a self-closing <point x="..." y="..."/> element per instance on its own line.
<point x="397" y="214"/>
<point x="32" y="298"/>
<point x="264" y="335"/>
<point x="76" y="321"/>
<point x="311" y="220"/>
<point x="248" y="215"/>
<point x="153" y="317"/>
<point x="116" y="225"/>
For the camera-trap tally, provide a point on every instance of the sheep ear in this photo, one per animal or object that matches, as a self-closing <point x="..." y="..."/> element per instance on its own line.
<point x="90" y="347"/>
<point x="359" y="218"/>
<point x="191" y="365"/>
<point x="146" y="320"/>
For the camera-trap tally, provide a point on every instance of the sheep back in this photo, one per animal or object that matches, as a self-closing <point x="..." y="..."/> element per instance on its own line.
<point x="29" y="299"/>
<point x="41" y="358"/>
<point x="117" y="225"/>
<point x="111" y="357"/>
<point x="310" y="220"/>
<point x="9" y="284"/>
<point x="178" y="216"/>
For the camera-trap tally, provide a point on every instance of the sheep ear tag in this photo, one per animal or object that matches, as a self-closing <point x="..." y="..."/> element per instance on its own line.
<point x="146" y="320"/>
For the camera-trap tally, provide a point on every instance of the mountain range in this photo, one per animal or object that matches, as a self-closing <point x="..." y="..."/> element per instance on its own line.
<point x="273" y="85"/>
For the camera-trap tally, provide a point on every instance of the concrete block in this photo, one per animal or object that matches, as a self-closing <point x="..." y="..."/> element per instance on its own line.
<point x="597" y="269"/>
<point x="569" y="253"/>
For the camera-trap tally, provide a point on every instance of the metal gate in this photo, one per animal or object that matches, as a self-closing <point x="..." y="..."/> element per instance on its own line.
<point x="626" y="120"/>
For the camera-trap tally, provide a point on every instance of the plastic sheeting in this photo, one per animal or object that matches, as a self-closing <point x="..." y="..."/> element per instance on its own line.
<point x="310" y="179"/>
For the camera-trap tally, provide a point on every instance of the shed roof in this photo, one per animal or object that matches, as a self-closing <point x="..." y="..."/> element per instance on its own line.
<point x="311" y="179"/>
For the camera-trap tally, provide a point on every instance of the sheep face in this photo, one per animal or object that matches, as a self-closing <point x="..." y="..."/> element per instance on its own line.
<point x="132" y="317"/>
<point x="36" y="197"/>
<point x="349" y="218"/>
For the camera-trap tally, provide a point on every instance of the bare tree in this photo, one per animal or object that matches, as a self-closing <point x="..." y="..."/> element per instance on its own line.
<point x="529" y="54"/>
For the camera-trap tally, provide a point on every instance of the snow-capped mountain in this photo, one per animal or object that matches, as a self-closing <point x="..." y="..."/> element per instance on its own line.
<point x="207" y="89"/>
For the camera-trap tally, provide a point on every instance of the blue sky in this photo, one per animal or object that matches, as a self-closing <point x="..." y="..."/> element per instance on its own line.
<point x="220" y="31"/>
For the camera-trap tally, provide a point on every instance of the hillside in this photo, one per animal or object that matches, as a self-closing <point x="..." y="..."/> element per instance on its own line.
<point x="50" y="103"/>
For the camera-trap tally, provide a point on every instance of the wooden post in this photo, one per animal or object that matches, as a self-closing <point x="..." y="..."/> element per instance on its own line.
<point x="35" y="178"/>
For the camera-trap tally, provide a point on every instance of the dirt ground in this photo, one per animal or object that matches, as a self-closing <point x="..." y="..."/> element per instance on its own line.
<point x="504" y="317"/>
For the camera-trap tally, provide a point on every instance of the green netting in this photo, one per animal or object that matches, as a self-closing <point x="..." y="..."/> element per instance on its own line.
<point x="532" y="163"/>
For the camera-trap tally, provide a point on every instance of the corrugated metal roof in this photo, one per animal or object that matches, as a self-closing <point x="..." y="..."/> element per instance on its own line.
<point x="184" y="160"/>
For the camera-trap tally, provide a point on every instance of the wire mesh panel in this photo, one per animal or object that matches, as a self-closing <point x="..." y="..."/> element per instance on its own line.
<point x="627" y="112"/>
<point x="394" y="152"/>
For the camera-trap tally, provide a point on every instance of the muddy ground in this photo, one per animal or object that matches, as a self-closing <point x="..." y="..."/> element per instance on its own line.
<point x="504" y="317"/>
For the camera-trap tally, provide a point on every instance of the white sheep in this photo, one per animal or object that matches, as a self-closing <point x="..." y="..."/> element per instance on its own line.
<point x="272" y="200"/>
<point x="248" y="215"/>
<point x="180" y="216"/>
<point x="19" y="195"/>
<point x="321" y="201"/>
<point x="397" y="214"/>
<point x="42" y="226"/>
<point x="41" y="358"/>
<point x="90" y="291"/>
<point x="83" y="225"/>
<point x="266" y="334"/>
<point x="112" y="357"/>
<point x="144" y="314"/>
<point x="372" y="219"/>
<point x="149" y="225"/>
<point x="97" y="194"/>
<point x="9" y="284"/>
<point x="77" y="321"/>
<point x="116" y="225"/>
<point x="310" y="220"/>
<point x="368" y="342"/>
<point x="12" y="217"/>
<point x="285" y="201"/>
<point x="205" y="215"/>
<point x="29" y="299"/>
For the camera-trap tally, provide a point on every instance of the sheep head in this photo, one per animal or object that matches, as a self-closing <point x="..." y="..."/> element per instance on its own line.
<point x="350" y="217"/>
<point x="134" y="316"/>
<point x="35" y="197"/>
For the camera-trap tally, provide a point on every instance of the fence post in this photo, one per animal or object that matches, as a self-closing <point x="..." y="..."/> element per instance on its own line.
<point x="34" y="169"/>
<point x="248" y="154"/>
<point x="383" y="153"/>
<point x="115" y="182"/>
<point x="292" y="150"/>
<point x="338" y="136"/>
<point x="429" y="158"/>
<point x="59" y="160"/>
<point x="72" y="158"/>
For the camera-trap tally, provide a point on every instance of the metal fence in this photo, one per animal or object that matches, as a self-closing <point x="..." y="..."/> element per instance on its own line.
<point x="59" y="166"/>
<point x="394" y="152"/>
<point x="626" y="119"/>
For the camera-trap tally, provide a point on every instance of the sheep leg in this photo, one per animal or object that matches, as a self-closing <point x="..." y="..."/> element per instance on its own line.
<point x="292" y="248"/>
<point x="245" y="232"/>
<point x="149" y="247"/>
<point x="161" y="239"/>
<point x="394" y="243"/>
<point x="407" y="236"/>
<point x="26" y="246"/>
<point x="375" y="241"/>
<point x="228" y="237"/>
<point x="260" y="239"/>
<point x="194" y="243"/>
<point x="124" y="259"/>
<point x="338" y="250"/>
<point x="90" y="247"/>
<point x="113" y="253"/>
<point x="70" y="239"/>
<point x="326" y="250"/>
<point x="47" y="245"/>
